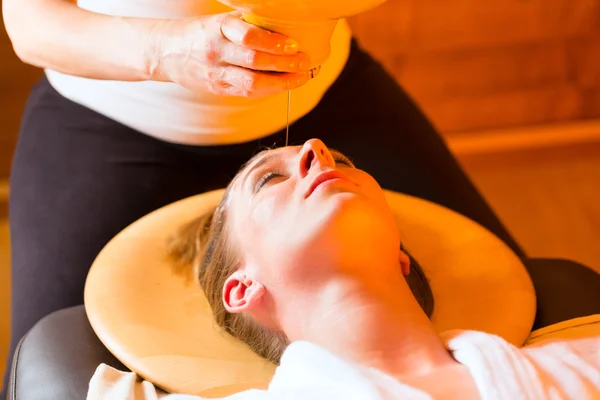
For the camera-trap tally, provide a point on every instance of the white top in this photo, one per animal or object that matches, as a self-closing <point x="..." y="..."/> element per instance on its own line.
<point x="170" y="112"/>
<point x="555" y="365"/>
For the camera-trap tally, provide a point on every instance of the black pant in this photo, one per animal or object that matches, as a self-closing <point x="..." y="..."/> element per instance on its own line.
<point x="79" y="178"/>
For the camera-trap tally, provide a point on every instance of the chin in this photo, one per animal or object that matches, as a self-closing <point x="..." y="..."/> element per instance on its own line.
<point x="357" y="209"/>
<point x="355" y="224"/>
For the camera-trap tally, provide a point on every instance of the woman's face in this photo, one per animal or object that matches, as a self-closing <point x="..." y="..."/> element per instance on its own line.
<point x="300" y="214"/>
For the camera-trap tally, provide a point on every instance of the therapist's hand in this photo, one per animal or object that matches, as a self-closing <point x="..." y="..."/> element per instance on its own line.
<point x="225" y="55"/>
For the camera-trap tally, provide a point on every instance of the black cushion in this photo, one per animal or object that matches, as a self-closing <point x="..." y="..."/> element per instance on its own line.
<point x="57" y="358"/>
<point x="564" y="289"/>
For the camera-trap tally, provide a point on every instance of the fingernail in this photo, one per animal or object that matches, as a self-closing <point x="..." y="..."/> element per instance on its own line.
<point x="300" y="79"/>
<point x="290" y="46"/>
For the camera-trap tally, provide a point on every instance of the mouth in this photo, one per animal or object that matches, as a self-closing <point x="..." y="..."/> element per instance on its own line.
<point x="325" y="177"/>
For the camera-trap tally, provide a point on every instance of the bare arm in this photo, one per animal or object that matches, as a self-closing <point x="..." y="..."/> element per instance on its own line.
<point x="59" y="35"/>
<point x="219" y="53"/>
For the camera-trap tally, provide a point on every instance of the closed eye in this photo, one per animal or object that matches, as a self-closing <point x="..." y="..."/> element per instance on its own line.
<point x="339" y="158"/>
<point x="267" y="177"/>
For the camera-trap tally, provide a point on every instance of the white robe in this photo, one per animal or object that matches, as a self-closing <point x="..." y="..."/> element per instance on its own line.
<point x="559" y="362"/>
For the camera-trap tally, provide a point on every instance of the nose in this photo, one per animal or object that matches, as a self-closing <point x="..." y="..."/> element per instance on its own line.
<point x="314" y="153"/>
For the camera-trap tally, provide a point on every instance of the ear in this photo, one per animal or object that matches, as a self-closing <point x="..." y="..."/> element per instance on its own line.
<point x="241" y="293"/>
<point x="404" y="263"/>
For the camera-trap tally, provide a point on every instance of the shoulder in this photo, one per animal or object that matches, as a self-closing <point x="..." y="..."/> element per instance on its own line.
<point x="577" y="328"/>
<point x="581" y="347"/>
<point x="560" y="367"/>
<point x="577" y="339"/>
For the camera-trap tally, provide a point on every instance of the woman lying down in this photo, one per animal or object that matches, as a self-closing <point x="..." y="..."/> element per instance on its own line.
<point x="337" y="312"/>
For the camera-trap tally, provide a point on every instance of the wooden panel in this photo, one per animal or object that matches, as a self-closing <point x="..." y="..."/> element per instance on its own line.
<point x="487" y="70"/>
<point x="508" y="108"/>
<point x="442" y="24"/>
<point x="4" y="293"/>
<point x="590" y="102"/>
<point x="548" y="199"/>
<point x="582" y="134"/>
<point x="434" y="25"/>
<point x="16" y="79"/>
<point x="385" y="28"/>
<point x="489" y="64"/>
<point x="583" y="60"/>
<point x="12" y="102"/>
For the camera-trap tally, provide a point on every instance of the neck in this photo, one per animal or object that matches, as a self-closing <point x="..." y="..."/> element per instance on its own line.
<point x="378" y="324"/>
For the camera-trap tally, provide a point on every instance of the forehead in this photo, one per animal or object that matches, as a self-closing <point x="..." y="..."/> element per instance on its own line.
<point x="260" y="159"/>
<point x="265" y="157"/>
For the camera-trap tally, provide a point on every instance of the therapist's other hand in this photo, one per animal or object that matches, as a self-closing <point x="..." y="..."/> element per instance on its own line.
<point x="225" y="55"/>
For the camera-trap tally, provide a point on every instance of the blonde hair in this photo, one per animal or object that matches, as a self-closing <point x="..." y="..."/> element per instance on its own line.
<point x="204" y="245"/>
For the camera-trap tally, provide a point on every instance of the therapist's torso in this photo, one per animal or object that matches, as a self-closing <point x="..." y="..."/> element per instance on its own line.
<point x="172" y="113"/>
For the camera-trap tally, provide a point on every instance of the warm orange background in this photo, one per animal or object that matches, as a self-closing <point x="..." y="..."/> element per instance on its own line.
<point x="530" y="68"/>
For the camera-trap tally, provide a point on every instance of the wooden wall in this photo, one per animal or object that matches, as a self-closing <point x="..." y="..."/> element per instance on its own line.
<point x="471" y="64"/>
<point x="476" y="64"/>
<point x="16" y="79"/>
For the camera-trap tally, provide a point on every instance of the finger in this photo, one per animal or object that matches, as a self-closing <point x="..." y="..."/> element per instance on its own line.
<point x="252" y="83"/>
<point x="231" y="53"/>
<point x="225" y="89"/>
<point x="255" y="38"/>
